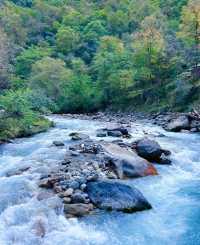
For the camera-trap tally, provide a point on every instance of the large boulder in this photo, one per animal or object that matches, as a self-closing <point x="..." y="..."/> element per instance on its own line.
<point x="181" y="122"/>
<point x="150" y="150"/>
<point x="116" y="196"/>
<point x="126" y="163"/>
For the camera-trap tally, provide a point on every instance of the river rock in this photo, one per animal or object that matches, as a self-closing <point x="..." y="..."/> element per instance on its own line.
<point x="46" y="183"/>
<point x="149" y="149"/>
<point x="181" y="122"/>
<point x="101" y="133"/>
<point x="116" y="196"/>
<point x="115" y="133"/>
<point x="152" y="151"/>
<point x="67" y="200"/>
<point x="68" y="192"/>
<point x="78" y="136"/>
<point x="77" y="209"/>
<point x="126" y="163"/>
<point x="58" y="143"/>
<point x="122" y="130"/>
<point x="78" y="198"/>
<point x="72" y="184"/>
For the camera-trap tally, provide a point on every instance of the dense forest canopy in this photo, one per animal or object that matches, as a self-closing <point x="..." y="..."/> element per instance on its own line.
<point x="84" y="56"/>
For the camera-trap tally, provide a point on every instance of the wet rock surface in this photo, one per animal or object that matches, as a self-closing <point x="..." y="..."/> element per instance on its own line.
<point x="77" y="210"/>
<point x="152" y="151"/>
<point x="116" y="196"/>
<point x="126" y="163"/>
<point x="58" y="143"/>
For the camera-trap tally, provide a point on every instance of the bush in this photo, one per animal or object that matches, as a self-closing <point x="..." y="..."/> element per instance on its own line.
<point x="15" y="103"/>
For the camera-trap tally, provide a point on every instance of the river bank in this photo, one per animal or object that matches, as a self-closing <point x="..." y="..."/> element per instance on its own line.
<point x="18" y="127"/>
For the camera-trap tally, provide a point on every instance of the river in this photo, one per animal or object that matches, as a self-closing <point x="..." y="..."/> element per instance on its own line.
<point x="174" y="193"/>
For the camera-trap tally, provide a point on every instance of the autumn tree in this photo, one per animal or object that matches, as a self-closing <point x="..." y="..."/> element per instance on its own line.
<point x="148" y="48"/>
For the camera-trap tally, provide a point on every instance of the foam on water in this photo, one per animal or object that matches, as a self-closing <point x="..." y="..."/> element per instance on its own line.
<point x="174" y="194"/>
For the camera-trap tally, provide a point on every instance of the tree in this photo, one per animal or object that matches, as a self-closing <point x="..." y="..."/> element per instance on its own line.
<point x="28" y="57"/>
<point x="93" y="31"/>
<point x="67" y="39"/>
<point x="138" y="10"/>
<point x="4" y="60"/>
<point x="111" y="58"/>
<point x="118" y="22"/>
<point x="148" y="46"/>
<point x="51" y="76"/>
<point x="73" y="18"/>
<point x="81" y="95"/>
<point x="190" y="30"/>
<point x="12" y="22"/>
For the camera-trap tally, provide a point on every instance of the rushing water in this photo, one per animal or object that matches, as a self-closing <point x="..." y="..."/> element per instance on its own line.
<point x="174" y="194"/>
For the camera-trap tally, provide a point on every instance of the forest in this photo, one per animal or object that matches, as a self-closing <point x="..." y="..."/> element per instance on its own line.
<point x="70" y="56"/>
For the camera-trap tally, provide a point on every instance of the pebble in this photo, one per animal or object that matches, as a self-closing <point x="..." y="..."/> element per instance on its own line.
<point x="74" y="184"/>
<point x="78" y="198"/>
<point x="67" y="200"/>
<point x="68" y="192"/>
<point x="83" y="186"/>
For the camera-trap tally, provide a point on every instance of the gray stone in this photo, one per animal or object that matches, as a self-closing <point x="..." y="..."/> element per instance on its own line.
<point x="77" y="209"/>
<point x="93" y="177"/>
<point x="176" y="125"/>
<point x="67" y="200"/>
<point x="101" y="133"/>
<point x="78" y="136"/>
<point x="58" y="143"/>
<point x="83" y="186"/>
<point x="68" y="192"/>
<point x="115" y="133"/>
<point x="78" y="198"/>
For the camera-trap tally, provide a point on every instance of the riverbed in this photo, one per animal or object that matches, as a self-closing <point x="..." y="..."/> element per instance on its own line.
<point x="174" y="193"/>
